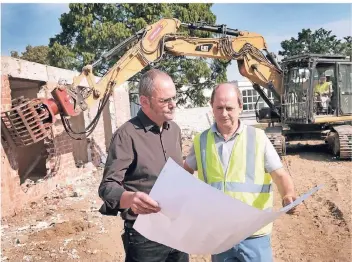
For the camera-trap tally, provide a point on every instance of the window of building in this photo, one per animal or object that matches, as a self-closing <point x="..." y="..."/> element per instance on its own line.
<point x="250" y="97"/>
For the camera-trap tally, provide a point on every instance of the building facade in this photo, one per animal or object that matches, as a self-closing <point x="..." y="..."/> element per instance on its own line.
<point x="250" y="97"/>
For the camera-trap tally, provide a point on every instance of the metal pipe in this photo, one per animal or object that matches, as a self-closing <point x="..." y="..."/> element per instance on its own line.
<point x="220" y="29"/>
<point x="117" y="48"/>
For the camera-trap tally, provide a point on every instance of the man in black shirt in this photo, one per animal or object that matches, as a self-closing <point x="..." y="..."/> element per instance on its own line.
<point x="137" y="153"/>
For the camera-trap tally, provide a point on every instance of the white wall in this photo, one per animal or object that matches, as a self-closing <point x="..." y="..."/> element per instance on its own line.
<point x="195" y="119"/>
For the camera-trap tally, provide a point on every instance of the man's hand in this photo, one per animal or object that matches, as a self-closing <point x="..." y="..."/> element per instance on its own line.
<point x="141" y="203"/>
<point x="285" y="186"/>
<point x="286" y="200"/>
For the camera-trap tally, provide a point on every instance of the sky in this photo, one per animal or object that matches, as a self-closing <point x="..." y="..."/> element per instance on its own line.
<point x="34" y="24"/>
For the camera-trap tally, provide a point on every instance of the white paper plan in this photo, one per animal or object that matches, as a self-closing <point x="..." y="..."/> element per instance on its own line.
<point x="198" y="219"/>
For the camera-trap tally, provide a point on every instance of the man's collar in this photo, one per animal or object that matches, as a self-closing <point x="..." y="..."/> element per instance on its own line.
<point x="148" y="124"/>
<point x="214" y="129"/>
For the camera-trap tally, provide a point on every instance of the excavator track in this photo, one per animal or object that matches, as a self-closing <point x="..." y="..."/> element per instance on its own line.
<point x="279" y="143"/>
<point x="342" y="141"/>
<point x="277" y="139"/>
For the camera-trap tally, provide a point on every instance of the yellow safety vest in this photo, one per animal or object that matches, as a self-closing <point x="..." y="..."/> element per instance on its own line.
<point x="245" y="178"/>
<point x="322" y="88"/>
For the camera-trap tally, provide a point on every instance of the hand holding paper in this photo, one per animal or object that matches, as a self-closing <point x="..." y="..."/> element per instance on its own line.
<point x="198" y="219"/>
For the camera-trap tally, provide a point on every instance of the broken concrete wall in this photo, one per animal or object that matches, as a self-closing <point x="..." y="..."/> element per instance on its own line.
<point x="61" y="156"/>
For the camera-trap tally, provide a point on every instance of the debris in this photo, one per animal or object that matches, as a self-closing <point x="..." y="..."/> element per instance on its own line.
<point x="66" y="241"/>
<point x="62" y="250"/>
<point x="27" y="184"/>
<point x="27" y="258"/>
<point x="23" y="228"/>
<point x="89" y="167"/>
<point x="92" y="252"/>
<point x="73" y="254"/>
<point x="102" y="230"/>
<point x="33" y="204"/>
<point x="52" y="207"/>
<point x="49" y="213"/>
<point x="42" y="225"/>
<point x="21" y="239"/>
<point x="75" y="194"/>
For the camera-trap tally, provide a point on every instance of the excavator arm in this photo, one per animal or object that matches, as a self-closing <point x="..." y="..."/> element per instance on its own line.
<point x="244" y="48"/>
<point x="30" y="121"/>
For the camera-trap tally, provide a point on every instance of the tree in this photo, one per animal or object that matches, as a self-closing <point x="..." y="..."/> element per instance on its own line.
<point x="320" y="41"/>
<point x="37" y="54"/>
<point x="89" y="30"/>
<point x="61" y="56"/>
<point x="347" y="45"/>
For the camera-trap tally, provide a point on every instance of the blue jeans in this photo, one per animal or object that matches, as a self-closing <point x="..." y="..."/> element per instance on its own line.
<point x="140" y="249"/>
<point x="249" y="250"/>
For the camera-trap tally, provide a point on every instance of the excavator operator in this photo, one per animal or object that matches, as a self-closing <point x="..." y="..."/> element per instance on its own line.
<point x="323" y="86"/>
<point x="323" y="93"/>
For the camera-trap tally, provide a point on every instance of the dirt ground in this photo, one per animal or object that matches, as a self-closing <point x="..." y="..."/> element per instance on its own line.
<point x="66" y="225"/>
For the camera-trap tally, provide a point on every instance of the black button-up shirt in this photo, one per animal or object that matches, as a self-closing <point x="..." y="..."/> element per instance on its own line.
<point x="137" y="153"/>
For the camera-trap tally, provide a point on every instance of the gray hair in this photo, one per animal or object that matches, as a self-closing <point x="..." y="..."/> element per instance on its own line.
<point x="147" y="82"/>
<point x="234" y="85"/>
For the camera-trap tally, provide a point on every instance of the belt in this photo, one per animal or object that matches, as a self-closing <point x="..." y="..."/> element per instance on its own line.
<point x="129" y="223"/>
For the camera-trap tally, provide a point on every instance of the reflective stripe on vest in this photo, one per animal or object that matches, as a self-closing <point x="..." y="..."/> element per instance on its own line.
<point x="245" y="178"/>
<point x="249" y="185"/>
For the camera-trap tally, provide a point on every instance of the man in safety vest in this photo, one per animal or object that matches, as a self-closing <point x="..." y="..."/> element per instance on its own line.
<point x="241" y="161"/>
<point x="323" y="87"/>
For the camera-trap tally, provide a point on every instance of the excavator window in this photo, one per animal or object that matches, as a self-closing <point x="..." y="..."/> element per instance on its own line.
<point x="345" y="78"/>
<point x="296" y="89"/>
<point x="345" y="83"/>
<point x="298" y="82"/>
<point x="324" y="87"/>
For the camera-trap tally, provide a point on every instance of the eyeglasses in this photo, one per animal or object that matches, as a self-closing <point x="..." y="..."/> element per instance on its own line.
<point x="166" y="100"/>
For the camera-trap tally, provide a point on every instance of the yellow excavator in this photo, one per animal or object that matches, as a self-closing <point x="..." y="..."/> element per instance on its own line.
<point x="297" y="111"/>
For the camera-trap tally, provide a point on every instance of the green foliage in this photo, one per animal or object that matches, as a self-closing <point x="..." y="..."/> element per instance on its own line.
<point x="37" y="54"/>
<point x="219" y="68"/>
<point x="347" y="46"/>
<point x="320" y="41"/>
<point x="62" y="57"/>
<point x="90" y="30"/>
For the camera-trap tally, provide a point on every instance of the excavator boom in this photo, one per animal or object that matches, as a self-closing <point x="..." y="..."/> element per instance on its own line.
<point x="148" y="46"/>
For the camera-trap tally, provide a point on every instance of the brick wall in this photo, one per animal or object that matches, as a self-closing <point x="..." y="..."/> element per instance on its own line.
<point x="62" y="151"/>
<point x="59" y="164"/>
<point x="5" y="93"/>
<point x="9" y="177"/>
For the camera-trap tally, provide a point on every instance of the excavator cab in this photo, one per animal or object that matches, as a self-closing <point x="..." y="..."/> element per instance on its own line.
<point x="317" y="88"/>
<point x="316" y="103"/>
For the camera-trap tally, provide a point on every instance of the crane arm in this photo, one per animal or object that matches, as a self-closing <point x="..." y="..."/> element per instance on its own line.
<point x="162" y="38"/>
<point x="252" y="63"/>
<point x="148" y="46"/>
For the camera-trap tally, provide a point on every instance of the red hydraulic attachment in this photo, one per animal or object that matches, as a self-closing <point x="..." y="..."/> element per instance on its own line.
<point x="29" y="121"/>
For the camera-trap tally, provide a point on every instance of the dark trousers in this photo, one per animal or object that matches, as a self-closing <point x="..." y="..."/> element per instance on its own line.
<point x="140" y="249"/>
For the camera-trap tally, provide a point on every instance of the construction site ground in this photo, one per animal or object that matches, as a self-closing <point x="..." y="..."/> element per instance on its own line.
<point x="65" y="225"/>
